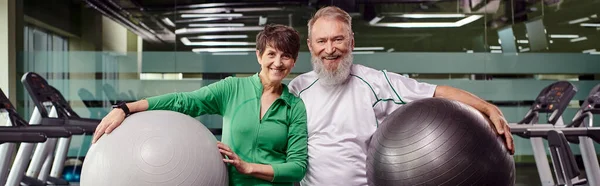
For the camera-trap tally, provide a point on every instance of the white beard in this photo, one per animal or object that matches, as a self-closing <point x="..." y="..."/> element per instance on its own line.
<point x="335" y="77"/>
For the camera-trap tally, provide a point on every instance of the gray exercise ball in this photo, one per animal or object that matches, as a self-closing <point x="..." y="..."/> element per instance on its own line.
<point x="437" y="141"/>
<point x="155" y="148"/>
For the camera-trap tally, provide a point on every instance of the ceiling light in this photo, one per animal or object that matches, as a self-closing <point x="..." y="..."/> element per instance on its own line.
<point x="579" y="20"/>
<point x="420" y="16"/>
<point x="368" y="48"/>
<point x="588" y="51"/>
<point x="522" y="41"/>
<point x="219" y="43"/>
<point x="217" y="29"/>
<point x="229" y="53"/>
<point x="525" y="50"/>
<point x="200" y="19"/>
<point x="221" y="37"/>
<point x="210" y="15"/>
<point x="496" y="47"/>
<point x="216" y="25"/>
<point x="590" y="24"/>
<point x="219" y="10"/>
<point x="578" y="39"/>
<point x="224" y="50"/>
<point x="167" y="21"/>
<point x="459" y="23"/>
<point x="363" y="52"/>
<point x="563" y="36"/>
<point x="496" y="51"/>
<point x="375" y="20"/>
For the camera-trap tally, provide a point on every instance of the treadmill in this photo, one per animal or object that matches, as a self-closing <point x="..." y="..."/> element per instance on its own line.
<point x="52" y="108"/>
<point x="20" y="131"/>
<point x="553" y="100"/>
<point x="580" y="131"/>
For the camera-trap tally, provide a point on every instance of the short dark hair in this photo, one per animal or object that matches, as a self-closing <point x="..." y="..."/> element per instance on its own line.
<point x="280" y="37"/>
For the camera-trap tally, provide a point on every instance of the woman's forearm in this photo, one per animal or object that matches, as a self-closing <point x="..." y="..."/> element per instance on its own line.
<point x="138" y="106"/>
<point x="261" y="171"/>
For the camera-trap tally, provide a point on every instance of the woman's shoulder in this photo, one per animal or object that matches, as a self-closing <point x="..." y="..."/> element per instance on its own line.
<point x="294" y="101"/>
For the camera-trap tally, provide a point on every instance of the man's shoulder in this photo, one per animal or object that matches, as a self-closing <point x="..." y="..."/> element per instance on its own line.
<point x="302" y="81"/>
<point x="368" y="74"/>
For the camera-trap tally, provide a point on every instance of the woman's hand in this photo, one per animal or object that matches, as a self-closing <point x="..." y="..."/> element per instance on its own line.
<point x="232" y="158"/>
<point x="111" y="121"/>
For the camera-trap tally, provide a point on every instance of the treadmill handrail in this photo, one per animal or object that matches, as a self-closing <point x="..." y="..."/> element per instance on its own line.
<point x="21" y="137"/>
<point x="577" y="121"/>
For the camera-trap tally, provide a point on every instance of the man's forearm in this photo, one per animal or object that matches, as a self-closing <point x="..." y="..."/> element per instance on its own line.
<point x="465" y="97"/>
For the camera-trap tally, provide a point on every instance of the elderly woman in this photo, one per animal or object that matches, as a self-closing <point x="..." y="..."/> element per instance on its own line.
<point x="264" y="126"/>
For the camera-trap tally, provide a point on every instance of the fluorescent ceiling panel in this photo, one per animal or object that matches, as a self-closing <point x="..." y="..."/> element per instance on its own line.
<point x="459" y="23"/>
<point x="187" y="42"/>
<point x="217" y="29"/>
<point x="224" y="49"/>
<point x="216" y="25"/>
<point x="221" y="37"/>
<point x="210" y="15"/>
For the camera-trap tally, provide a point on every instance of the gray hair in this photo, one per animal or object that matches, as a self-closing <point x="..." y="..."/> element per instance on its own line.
<point x="331" y="12"/>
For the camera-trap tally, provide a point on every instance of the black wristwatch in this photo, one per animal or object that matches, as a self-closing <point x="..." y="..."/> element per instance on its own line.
<point x="123" y="106"/>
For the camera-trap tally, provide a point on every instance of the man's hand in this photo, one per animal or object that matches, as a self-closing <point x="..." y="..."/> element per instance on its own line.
<point x="241" y="166"/>
<point x="493" y="112"/>
<point x="502" y="127"/>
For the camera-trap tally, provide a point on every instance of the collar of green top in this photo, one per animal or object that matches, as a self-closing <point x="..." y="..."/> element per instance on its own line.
<point x="286" y="96"/>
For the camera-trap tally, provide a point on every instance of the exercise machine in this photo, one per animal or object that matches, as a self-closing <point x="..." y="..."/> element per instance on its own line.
<point x="580" y="131"/>
<point x="553" y="100"/>
<point x="16" y="124"/>
<point x="47" y="162"/>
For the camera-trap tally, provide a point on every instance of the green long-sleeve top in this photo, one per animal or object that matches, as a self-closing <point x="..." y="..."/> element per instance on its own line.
<point x="279" y="139"/>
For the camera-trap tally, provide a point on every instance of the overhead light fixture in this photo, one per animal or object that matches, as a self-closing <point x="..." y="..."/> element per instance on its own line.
<point x="219" y="10"/>
<point x="589" y="51"/>
<point x="578" y="39"/>
<point x="459" y="23"/>
<point x="590" y="24"/>
<point x="584" y="19"/>
<point x="187" y="42"/>
<point x="364" y="52"/>
<point x="390" y="50"/>
<point x="421" y="16"/>
<point x="495" y="51"/>
<point x="217" y="29"/>
<point x="216" y="25"/>
<point x="563" y="36"/>
<point x="210" y="15"/>
<point x="229" y="53"/>
<point x="375" y="20"/>
<point x="201" y="19"/>
<point x="496" y="47"/>
<point x="168" y="21"/>
<point x="221" y="37"/>
<point x="223" y="50"/>
<point x="368" y="48"/>
<point x="524" y="50"/>
<point x="522" y="41"/>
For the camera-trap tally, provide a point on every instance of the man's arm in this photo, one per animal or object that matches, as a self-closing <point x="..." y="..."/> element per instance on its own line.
<point x="483" y="106"/>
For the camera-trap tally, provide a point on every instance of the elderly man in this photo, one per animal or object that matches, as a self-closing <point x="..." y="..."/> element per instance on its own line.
<point x="346" y="101"/>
